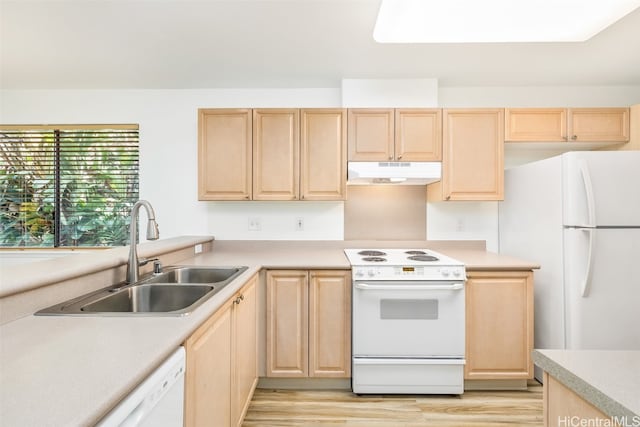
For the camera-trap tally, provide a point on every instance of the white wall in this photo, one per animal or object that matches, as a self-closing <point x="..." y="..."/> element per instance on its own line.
<point x="464" y="221"/>
<point x="539" y="96"/>
<point x="168" y="153"/>
<point x="277" y="220"/>
<point x="168" y="146"/>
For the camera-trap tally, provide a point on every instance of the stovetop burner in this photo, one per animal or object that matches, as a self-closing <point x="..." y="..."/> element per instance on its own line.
<point x="403" y="264"/>
<point x="371" y="253"/>
<point x="423" y="258"/>
<point x="395" y="257"/>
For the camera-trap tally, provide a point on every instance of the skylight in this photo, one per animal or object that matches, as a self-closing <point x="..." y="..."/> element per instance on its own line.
<point x="496" y="21"/>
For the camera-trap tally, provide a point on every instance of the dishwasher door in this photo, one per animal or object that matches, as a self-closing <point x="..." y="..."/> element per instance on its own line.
<point x="158" y="401"/>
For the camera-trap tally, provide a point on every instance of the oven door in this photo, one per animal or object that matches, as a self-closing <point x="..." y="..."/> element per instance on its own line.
<point x="408" y="319"/>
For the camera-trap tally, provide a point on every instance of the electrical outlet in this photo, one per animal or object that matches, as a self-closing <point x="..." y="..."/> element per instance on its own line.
<point x="299" y="224"/>
<point x="197" y="248"/>
<point x="254" y="224"/>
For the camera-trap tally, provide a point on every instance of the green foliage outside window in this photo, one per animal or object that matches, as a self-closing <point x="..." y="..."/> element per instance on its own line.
<point x="67" y="187"/>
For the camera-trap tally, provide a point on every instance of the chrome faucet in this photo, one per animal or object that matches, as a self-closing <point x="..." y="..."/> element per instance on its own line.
<point x="133" y="265"/>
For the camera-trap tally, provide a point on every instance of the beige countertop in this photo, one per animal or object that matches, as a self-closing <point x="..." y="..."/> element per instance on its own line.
<point x="329" y="254"/>
<point x="24" y="277"/>
<point x="70" y="371"/>
<point x="609" y="380"/>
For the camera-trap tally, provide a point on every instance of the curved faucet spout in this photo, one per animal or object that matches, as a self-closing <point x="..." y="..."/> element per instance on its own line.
<point x="133" y="272"/>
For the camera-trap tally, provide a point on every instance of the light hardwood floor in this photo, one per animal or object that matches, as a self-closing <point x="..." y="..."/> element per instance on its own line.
<point x="273" y="408"/>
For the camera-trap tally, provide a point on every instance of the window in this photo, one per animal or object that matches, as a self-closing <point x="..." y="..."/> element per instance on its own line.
<point x="66" y="186"/>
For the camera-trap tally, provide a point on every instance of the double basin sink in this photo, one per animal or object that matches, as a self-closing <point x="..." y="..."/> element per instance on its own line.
<point x="177" y="291"/>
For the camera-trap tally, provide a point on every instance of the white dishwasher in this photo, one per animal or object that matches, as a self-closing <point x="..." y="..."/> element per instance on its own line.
<point x="158" y="401"/>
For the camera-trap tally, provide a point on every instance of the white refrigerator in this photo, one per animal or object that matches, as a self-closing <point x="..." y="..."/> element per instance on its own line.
<point x="578" y="216"/>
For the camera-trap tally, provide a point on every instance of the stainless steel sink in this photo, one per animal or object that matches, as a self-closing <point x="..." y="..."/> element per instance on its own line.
<point x="193" y="275"/>
<point x="176" y="292"/>
<point x="149" y="299"/>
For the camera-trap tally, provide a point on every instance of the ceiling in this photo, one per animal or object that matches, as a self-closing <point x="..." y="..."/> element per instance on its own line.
<point x="178" y="44"/>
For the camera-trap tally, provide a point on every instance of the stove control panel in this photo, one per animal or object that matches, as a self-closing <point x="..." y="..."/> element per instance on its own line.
<point x="408" y="273"/>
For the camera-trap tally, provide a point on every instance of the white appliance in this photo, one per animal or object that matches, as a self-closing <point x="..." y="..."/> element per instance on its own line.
<point x="403" y="173"/>
<point x="408" y="322"/>
<point x="578" y="216"/>
<point x="157" y="402"/>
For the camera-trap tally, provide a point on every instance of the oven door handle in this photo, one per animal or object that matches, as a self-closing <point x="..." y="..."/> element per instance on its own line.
<point x="368" y="287"/>
<point x="453" y="360"/>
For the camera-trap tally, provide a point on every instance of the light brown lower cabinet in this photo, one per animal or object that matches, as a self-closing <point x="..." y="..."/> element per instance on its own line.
<point x="309" y="323"/>
<point x="499" y="325"/>
<point x="221" y="372"/>
<point x="244" y="348"/>
<point x="563" y="407"/>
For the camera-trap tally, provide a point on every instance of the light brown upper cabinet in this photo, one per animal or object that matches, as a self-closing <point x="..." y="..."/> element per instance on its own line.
<point x="272" y="154"/>
<point x="567" y="124"/>
<point x="472" y="156"/>
<point x="599" y="124"/>
<point x="418" y="135"/>
<point x="224" y="154"/>
<point x="395" y="134"/>
<point x="323" y="154"/>
<point x="276" y="160"/>
<point x="370" y="134"/>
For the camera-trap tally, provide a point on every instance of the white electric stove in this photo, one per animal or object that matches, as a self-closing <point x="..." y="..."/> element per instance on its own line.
<point x="408" y="321"/>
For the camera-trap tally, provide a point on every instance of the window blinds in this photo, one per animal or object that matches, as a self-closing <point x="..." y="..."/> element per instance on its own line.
<point x="67" y="185"/>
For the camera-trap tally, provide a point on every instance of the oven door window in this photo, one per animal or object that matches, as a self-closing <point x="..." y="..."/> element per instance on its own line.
<point x="409" y="309"/>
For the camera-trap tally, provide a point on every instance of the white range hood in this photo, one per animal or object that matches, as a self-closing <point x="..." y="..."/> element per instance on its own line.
<point x="399" y="173"/>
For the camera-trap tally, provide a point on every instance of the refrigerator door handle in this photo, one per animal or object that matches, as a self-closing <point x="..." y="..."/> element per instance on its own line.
<point x="586" y="283"/>
<point x="588" y="190"/>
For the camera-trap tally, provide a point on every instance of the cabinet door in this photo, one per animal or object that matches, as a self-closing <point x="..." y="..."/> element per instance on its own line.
<point x="276" y="144"/>
<point x="499" y="325"/>
<point x="323" y="149"/>
<point x="418" y="135"/>
<point x="245" y="350"/>
<point x="536" y="124"/>
<point x="330" y="324"/>
<point x="561" y="403"/>
<point x="224" y="154"/>
<point x="287" y="323"/>
<point x="208" y="372"/>
<point x="370" y="134"/>
<point x="599" y="124"/>
<point x="473" y="155"/>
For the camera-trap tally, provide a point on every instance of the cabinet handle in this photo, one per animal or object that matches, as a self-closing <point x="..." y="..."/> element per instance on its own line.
<point x="574" y="137"/>
<point x="237" y="301"/>
<point x="390" y="157"/>
<point x="399" y="157"/>
<point x="565" y="138"/>
<point x="448" y="197"/>
<point x="246" y="197"/>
